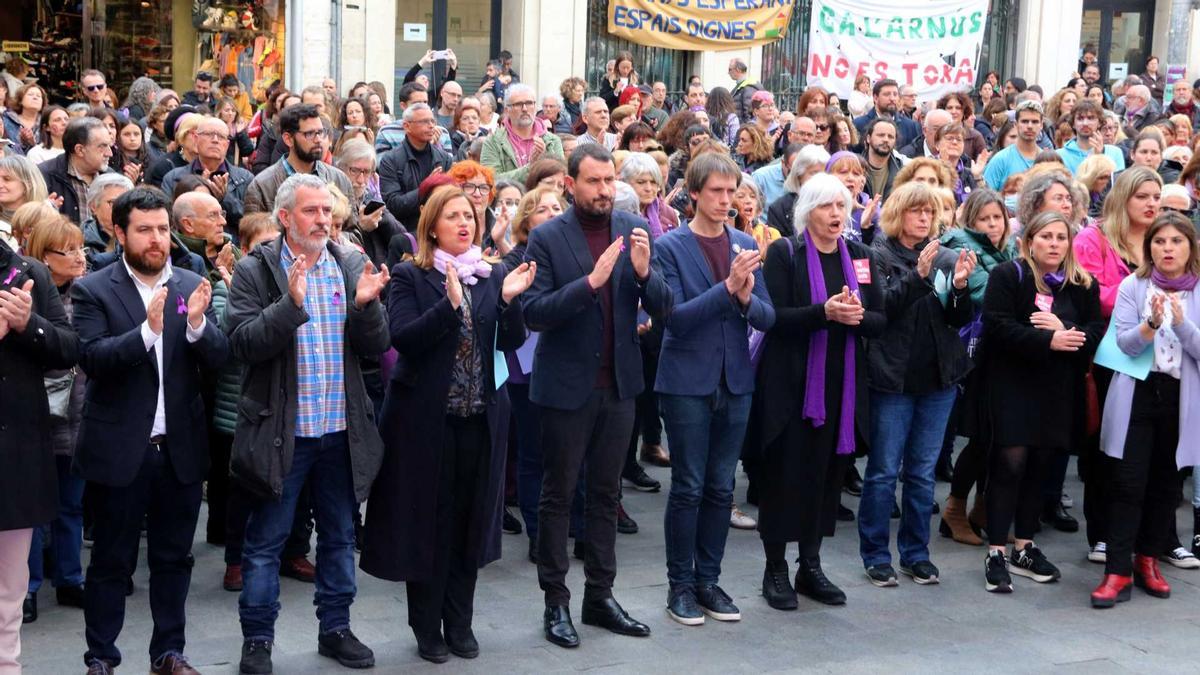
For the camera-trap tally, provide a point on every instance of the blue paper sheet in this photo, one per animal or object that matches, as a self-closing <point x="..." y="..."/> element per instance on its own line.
<point x="525" y="353"/>
<point x="1110" y="356"/>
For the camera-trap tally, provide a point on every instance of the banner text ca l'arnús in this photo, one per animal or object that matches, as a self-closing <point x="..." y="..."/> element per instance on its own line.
<point x="932" y="45"/>
<point x="699" y="24"/>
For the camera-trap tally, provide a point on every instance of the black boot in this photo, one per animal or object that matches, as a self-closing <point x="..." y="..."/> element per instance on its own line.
<point x="1054" y="514"/>
<point x="777" y="588"/>
<point x="811" y="581"/>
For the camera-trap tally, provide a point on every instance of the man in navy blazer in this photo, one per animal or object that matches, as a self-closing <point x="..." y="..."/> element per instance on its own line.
<point x="886" y="94"/>
<point x="705" y="382"/>
<point x="593" y="271"/>
<point x="146" y="332"/>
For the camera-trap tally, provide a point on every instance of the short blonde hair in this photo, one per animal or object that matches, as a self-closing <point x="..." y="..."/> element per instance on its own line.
<point x="341" y="204"/>
<point x="30" y="216"/>
<point x="526" y="208"/>
<point x="911" y="195"/>
<point x="945" y="175"/>
<point x="49" y="232"/>
<point x="1093" y="168"/>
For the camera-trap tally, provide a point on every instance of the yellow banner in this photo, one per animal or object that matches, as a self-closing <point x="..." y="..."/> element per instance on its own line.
<point x="699" y="24"/>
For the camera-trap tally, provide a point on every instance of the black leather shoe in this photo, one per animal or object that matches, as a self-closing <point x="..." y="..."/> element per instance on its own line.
<point x="852" y="484"/>
<point x="637" y="477"/>
<point x="625" y="524"/>
<point x="29" y="608"/>
<point x="511" y="525"/>
<point x="431" y="647"/>
<point x="1058" y="517"/>
<point x="844" y="514"/>
<point x="777" y="587"/>
<point x="256" y="658"/>
<point x="342" y="646"/>
<point x="69" y="596"/>
<point x="944" y="471"/>
<point x="607" y="614"/>
<point x="559" y="629"/>
<point x="895" y="510"/>
<point x="462" y="642"/>
<point x="811" y="581"/>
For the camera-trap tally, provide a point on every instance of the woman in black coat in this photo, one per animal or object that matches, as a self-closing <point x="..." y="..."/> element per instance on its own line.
<point x="35" y="336"/>
<point x="801" y="459"/>
<point x="1041" y="326"/>
<point x="433" y="517"/>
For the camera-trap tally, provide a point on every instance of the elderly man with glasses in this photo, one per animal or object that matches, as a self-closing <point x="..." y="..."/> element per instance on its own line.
<point x="521" y="139"/>
<point x="402" y="168"/>
<point x="229" y="181"/>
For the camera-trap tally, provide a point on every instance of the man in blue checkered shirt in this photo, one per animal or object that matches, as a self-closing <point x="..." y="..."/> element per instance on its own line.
<point x="302" y="311"/>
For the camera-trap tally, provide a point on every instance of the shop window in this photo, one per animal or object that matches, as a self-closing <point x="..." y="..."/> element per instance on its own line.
<point x="241" y="39"/>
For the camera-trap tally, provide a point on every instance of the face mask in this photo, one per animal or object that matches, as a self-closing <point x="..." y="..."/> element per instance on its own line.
<point x="1010" y="203"/>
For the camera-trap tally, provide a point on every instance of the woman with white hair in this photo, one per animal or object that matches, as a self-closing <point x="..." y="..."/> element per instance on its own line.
<point x="808" y="162"/>
<point x="642" y="173"/>
<point x="810" y="399"/>
<point x="375" y="226"/>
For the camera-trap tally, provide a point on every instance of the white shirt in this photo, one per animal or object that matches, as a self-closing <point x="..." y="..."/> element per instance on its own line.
<point x="150" y="338"/>
<point x="1168" y="352"/>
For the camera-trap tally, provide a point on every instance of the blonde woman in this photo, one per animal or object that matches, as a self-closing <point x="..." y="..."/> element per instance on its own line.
<point x="1041" y="324"/>
<point x="1095" y="174"/>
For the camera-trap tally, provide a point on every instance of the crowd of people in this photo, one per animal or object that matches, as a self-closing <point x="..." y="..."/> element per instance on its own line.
<point x="283" y="307"/>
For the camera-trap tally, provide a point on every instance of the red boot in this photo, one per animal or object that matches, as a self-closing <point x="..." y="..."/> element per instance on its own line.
<point x="1113" y="589"/>
<point x="1147" y="576"/>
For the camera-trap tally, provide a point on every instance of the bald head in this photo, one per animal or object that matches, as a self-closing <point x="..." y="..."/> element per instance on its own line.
<point x="199" y="215"/>
<point x="1137" y="96"/>
<point x="934" y="120"/>
<point x="451" y="96"/>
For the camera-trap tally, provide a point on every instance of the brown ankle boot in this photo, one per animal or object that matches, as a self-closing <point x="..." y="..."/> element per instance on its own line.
<point x="977" y="518"/>
<point x="955" y="525"/>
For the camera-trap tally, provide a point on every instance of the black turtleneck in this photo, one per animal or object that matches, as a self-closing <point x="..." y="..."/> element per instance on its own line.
<point x="597" y="230"/>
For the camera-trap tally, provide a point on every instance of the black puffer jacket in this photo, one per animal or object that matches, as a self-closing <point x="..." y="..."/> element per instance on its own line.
<point x="914" y="303"/>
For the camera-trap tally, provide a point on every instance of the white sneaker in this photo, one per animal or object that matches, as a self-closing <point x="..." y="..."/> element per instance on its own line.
<point x="740" y="520"/>
<point x="1066" y="501"/>
<point x="1182" y="558"/>
<point x="1099" y="553"/>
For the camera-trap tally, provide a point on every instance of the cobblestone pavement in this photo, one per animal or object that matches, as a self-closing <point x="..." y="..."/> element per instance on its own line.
<point x="954" y="627"/>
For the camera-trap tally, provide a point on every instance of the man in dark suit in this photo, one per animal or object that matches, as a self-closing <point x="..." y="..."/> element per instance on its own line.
<point x="584" y="302"/>
<point x="146" y="331"/>
<point x="886" y="94"/>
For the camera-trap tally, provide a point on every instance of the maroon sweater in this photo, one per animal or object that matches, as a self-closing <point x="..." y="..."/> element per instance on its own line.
<point x="597" y="232"/>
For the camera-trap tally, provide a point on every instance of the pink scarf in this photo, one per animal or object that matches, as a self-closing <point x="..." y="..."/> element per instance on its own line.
<point x="523" y="147"/>
<point x="471" y="266"/>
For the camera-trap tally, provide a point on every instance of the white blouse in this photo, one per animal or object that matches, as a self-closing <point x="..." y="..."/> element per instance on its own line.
<point x="1168" y="353"/>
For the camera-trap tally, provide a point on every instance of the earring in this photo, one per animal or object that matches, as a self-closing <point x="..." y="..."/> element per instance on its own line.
<point x="433" y="236"/>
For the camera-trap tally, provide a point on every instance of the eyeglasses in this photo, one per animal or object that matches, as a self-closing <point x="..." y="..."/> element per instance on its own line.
<point x="213" y="215"/>
<point x="213" y="135"/>
<point x="96" y="87"/>
<point x="822" y="127"/>
<point x="421" y="122"/>
<point x="313" y="134"/>
<point x="1059" y="199"/>
<point x="356" y="172"/>
<point x="921" y="210"/>
<point x="68" y="253"/>
<point x="1183" y="212"/>
<point x="520" y="104"/>
<point x="476" y="188"/>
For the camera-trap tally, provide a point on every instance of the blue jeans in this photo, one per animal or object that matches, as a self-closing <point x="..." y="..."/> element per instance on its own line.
<point x="906" y="430"/>
<point x="65" y="532"/>
<point x="325" y="463"/>
<point x="705" y="434"/>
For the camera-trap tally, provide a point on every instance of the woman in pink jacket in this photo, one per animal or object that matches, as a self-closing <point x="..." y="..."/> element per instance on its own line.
<point x="1110" y="251"/>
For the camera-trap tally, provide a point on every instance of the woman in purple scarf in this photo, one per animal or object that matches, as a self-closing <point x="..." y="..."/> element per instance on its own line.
<point x="1145" y="420"/>
<point x="810" y="399"/>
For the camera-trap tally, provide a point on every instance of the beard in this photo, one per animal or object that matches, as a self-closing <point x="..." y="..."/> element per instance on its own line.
<point x="596" y="208"/>
<point x="310" y="245"/>
<point x="311" y="155"/>
<point x="142" y="262"/>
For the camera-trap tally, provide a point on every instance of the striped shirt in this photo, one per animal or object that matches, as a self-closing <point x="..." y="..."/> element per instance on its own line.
<point x="320" y="356"/>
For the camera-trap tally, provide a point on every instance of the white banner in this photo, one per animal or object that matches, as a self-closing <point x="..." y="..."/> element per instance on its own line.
<point x="932" y="45"/>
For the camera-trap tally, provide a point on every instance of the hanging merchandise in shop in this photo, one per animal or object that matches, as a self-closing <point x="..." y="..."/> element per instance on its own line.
<point x="49" y="56"/>
<point x="244" y="39"/>
<point x="699" y="24"/>
<point x="932" y="45"/>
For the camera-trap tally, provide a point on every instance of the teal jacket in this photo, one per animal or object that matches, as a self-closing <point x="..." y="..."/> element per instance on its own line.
<point x="987" y="255"/>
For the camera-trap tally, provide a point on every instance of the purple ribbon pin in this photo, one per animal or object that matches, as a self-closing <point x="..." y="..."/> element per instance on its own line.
<point x="337" y="297"/>
<point x="180" y="305"/>
<point x="12" y="274"/>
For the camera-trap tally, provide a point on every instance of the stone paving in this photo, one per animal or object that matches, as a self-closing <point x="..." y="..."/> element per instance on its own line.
<point x="954" y="627"/>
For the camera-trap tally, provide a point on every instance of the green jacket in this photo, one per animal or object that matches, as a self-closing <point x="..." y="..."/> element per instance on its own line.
<point x="987" y="255"/>
<point x="229" y="378"/>
<point x="200" y="248"/>
<point x="498" y="154"/>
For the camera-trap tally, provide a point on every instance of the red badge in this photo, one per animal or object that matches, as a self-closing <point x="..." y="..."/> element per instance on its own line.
<point x="862" y="270"/>
<point x="1043" y="301"/>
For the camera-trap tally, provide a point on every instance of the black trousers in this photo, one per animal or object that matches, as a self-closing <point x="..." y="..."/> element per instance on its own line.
<point x="647" y="422"/>
<point x="170" y="510"/>
<point x="1144" y="484"/>
<point x="1094" y="468"/>
<point x="448" y="599"/>
<point x="598" y="432"/>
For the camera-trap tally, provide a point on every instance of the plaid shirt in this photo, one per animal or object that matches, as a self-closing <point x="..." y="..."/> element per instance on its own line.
<point x="320" y="356"/>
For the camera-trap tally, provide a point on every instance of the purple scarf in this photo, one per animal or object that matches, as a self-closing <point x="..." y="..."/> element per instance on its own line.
<point x="653" y="218"/>
<point x="1183" y="282"/>
<point x="471" y="266"/>
<point x="1055" y="280"/>
<point x="818" y="345"/>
